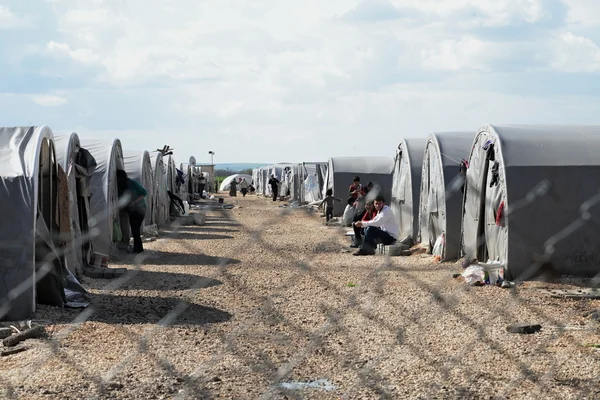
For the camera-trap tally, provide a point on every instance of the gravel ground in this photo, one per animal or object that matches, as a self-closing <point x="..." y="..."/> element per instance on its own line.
<point x="263" y="295"/>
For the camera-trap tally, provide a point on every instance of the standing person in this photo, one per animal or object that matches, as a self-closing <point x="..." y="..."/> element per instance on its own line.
<point x="367" y="214"/>
<point x="233" y="188"/>
<point x="244" y="187"/>
<point x="329" y="199"/>
<point x="201" y="184"/>
<point x="274" y="182"/>
<point x="134" y="194"/>
<point x="381" y="229"/>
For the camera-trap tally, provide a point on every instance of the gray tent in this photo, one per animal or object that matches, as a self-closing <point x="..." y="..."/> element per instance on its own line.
<point x="161" y="202"/>
<point x="441" y="197"/>
<point x="407" y="185"/>
<point x="543" y="176"/>
<point x="139" y="168"/>
<point x="34" y="211"/>
<point x="105" y="198"/>
<point x="341" y="171"/>
<point x="79" y="165"/>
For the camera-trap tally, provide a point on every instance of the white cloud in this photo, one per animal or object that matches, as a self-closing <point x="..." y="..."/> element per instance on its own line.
<point x="576" y="54"/>
<point x="326" y="71"/>
<point x="47" y="100"/>
<point x="8" y="20"/>
<point x="465" y="53"/>
<point x="84" y="56"/>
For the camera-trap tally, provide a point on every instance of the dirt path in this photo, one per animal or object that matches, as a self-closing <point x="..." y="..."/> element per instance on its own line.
<point x="263" y="295"/>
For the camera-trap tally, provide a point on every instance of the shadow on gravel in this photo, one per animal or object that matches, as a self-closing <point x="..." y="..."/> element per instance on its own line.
<point x="112" y="309"/>
<point x="199" y="236"/>
<point x="155" y="257"/>
<point x="204" y="228"/>
<point x="157" y="280"/>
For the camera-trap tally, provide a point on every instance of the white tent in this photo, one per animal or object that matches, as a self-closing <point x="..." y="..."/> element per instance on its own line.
<point x="79" y="166"/>
<point x="161" y="201"/>
<point x="139" y="168"/>
<point x="105" y="201"/>
<point x="312" y="180"/>
<point x="407" y="184"/>
<point x="341" y="171"/>
<point x="30" y="203"/>
<point x="441" y="196"/>
<point x="526" y="187"/>
<point x="227" y="181"/>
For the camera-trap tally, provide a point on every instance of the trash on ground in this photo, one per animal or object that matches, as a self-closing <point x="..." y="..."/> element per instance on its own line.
<point x="584" y="293"/>
<point x="322" y="384"/>
<point x="524" y="328"/>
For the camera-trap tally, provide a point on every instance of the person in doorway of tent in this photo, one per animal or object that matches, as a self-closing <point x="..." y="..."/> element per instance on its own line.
<point x="274" y="182"/>
<point x="134" y="195"/>
<point x="381" y="229"/>
<point x="201" y="184"/>
<point x="244" y="187"/>
<point x="328" y="200"/>
<point x="233" y="188"/>
<point x="367" y="214"/>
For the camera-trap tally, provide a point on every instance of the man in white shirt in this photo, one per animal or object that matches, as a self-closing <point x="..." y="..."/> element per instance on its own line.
<point x="244" y="187"/>
<point x="381" y="229"/>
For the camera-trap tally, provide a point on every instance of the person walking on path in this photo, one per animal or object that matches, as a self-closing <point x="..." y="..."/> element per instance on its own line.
<point x="134" y="195"/>
<point x="244" y="187"/>
<point x="233" y="188"/>
<point x="201" y="184"/>
<point x="274" y="182"/>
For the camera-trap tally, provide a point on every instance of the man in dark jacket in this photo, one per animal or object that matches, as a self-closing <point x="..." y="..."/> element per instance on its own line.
<point x="274" y="182"/>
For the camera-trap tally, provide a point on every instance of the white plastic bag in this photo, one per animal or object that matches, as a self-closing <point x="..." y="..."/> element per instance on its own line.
<point x="474" y="274"/>
<point x="348" y="216"/>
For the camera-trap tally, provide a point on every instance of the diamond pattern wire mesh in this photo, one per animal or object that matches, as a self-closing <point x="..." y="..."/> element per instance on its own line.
<point x="449" y="374"/>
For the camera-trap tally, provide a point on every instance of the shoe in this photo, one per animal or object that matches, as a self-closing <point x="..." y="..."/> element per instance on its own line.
<point x="362" y="252"/>
<point x="354" y="246"/>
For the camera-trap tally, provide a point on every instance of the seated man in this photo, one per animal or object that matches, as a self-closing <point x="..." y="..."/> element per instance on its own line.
<point x="367" y="214"/>
<point x="381" y="229"/>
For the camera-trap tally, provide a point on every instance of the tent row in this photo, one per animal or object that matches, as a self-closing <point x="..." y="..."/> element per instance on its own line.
<point x="301" y="183"/>
<point x="514" y="195"/>
<point x="61" y="213"/>
<point x="519" y="196"/>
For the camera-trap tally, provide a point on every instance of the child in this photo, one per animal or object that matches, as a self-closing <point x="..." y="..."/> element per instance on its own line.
<point x="329" y="200"/>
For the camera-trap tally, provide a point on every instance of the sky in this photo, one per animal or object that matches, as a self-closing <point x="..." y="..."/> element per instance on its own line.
<point x="291" y="81"/>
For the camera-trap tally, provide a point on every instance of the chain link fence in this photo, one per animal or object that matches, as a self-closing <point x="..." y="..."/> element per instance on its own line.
<point x="438" y="304"/>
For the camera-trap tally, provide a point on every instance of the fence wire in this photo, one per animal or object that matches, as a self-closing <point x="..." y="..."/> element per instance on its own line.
<point x="457" y="375"/>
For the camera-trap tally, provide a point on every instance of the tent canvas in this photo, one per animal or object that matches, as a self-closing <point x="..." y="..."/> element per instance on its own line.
<point x="160" y="202"/>
<point x="104" y="200"/>
<point x="79" y="166"/>
<point x="407" y="184"/>
<point x="526" y="186"/>
<point x="29" y="201"/>
<point x="441" y="196"/>
<point x="341" y="171"/>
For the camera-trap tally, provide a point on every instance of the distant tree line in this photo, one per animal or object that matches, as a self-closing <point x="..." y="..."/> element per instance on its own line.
<point x="227" y="172"/>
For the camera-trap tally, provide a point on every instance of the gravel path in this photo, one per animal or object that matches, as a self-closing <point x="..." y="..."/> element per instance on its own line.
<point x="263" y="295"/>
